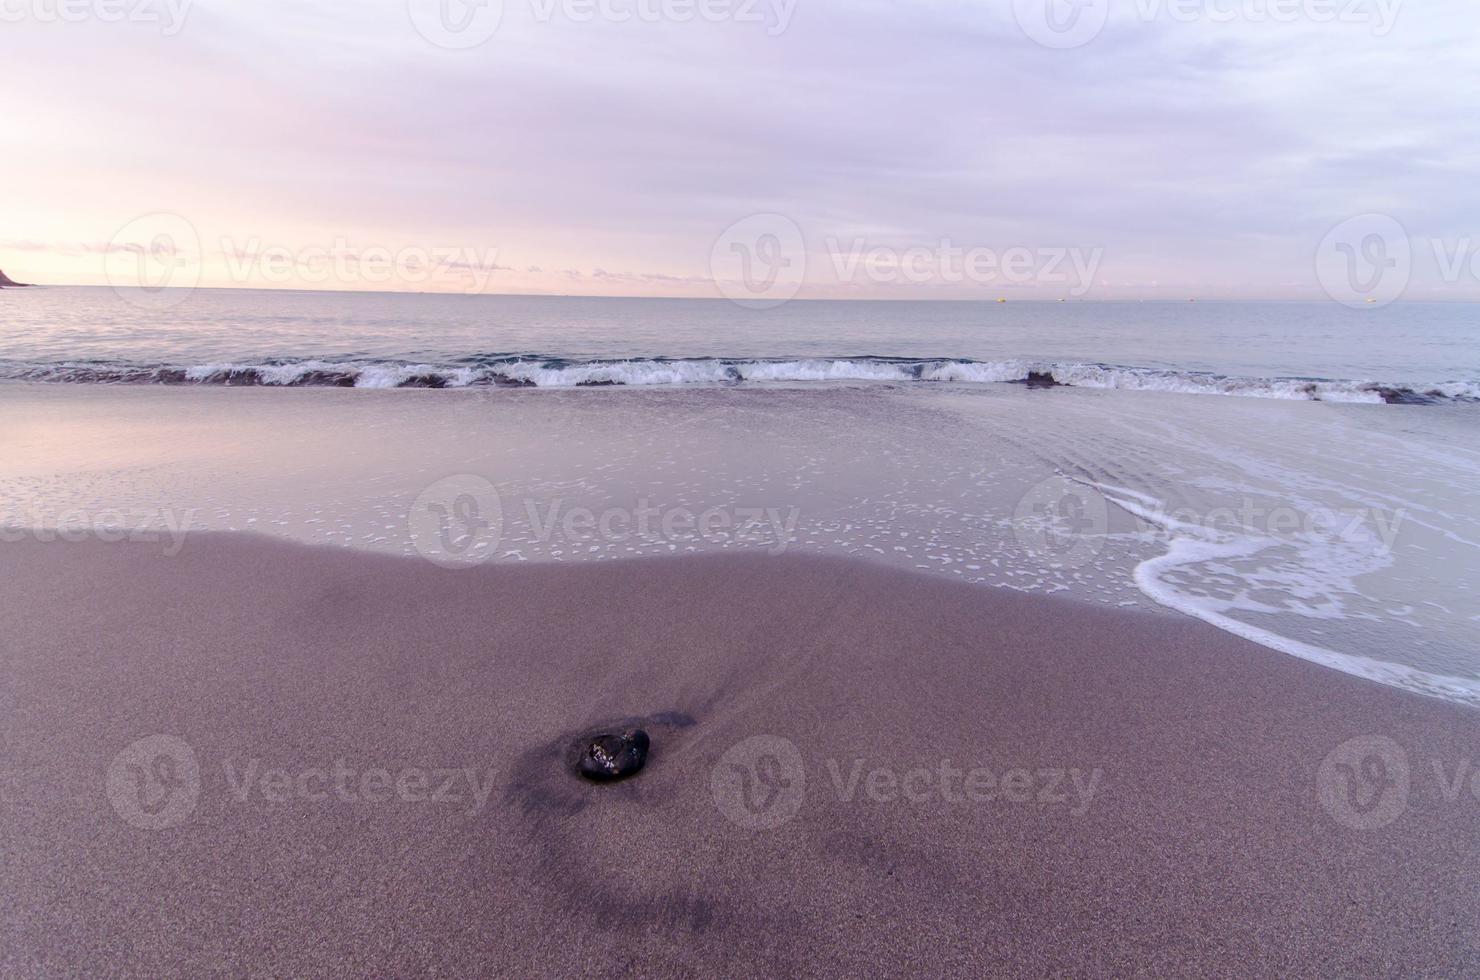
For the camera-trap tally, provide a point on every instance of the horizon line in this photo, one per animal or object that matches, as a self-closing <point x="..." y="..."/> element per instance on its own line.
<point x="992" y="300"/>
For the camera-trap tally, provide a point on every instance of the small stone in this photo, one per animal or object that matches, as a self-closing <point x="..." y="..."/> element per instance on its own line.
<point x="611" y="755"/>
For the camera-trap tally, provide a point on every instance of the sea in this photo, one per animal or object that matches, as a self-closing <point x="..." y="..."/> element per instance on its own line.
<point x="1302" y="474"/>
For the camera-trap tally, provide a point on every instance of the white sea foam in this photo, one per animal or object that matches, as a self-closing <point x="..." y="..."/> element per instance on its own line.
<point x="547" y="372"/>
<point x="1459" y="389"/>
<point x="977" y="372"/>
<point x="1314" y="584"/>
<point x="570" y="375"/>
<point x="1193" y="383"/>
<point x="839" y="369"/>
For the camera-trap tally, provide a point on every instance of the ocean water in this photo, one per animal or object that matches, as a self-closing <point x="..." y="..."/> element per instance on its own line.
<point x="1313" y="351"/>
<point x="1303" y="475"/>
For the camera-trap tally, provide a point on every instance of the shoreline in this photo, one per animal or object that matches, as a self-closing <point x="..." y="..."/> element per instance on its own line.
<point x="901" y="709"/>
<point x="1455" y="690"/>
<point x="517" y="372"/>
<point x="963" y="490"/>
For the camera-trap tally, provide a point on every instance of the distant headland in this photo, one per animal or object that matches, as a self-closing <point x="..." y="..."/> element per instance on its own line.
<point x="6" y="281"/>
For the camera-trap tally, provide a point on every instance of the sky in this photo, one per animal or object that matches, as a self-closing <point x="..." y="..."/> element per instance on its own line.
<point x="1080" y="149"/>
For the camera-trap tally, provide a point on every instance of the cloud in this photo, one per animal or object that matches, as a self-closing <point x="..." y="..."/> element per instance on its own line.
<point x="1191" y="151"/>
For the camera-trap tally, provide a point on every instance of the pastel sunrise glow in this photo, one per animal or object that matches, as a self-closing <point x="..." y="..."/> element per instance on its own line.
<point x="605" y="153"/>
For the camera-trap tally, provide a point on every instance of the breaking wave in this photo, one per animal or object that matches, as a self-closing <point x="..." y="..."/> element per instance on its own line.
<point x="531" y="370"/>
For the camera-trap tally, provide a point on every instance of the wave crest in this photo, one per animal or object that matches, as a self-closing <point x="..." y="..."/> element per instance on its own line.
<point x="538" y="371"/>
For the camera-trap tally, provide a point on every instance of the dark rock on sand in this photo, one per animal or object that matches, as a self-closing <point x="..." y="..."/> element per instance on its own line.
<point x="612" y="755"/>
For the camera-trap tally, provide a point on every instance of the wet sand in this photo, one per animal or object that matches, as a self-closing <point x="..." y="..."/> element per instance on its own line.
<point x="855" y="771"/>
